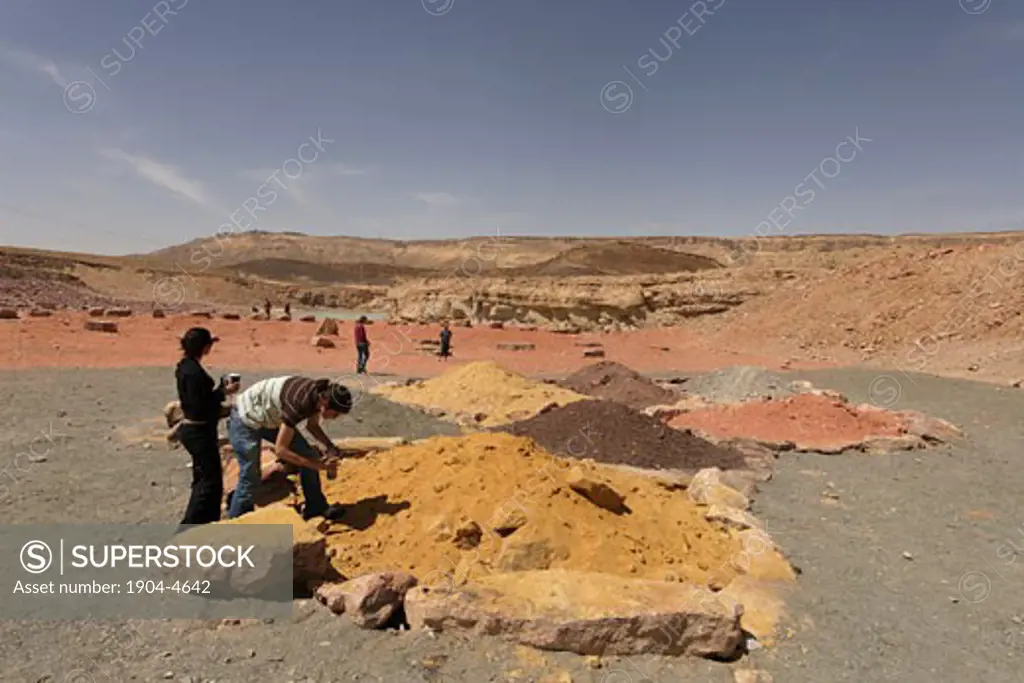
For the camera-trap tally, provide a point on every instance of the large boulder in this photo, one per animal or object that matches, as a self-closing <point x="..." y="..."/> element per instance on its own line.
<point x="120" y="312"/>
<point x="370" y="601"/>
<point x="40" y="313"/>
<point x="763" y="606"/>
<point x="707" y="488"/>
<point x="586" y="613"/>
<point x="328" y="326"/>
<point x="310" y="563"/>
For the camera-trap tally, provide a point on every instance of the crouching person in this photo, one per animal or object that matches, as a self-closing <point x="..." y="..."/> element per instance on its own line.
<point x="272" y="410"/>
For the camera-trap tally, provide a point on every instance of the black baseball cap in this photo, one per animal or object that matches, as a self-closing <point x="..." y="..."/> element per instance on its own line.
<point x="196" y="339"/>
<point x="200" y="335"/>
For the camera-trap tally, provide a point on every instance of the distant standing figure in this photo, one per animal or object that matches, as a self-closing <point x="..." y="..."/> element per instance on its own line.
<point x="362" y="346"/>
<point x="266" y="307"/>
<point x="288" y="308"/>
<point x="446" y="342"/>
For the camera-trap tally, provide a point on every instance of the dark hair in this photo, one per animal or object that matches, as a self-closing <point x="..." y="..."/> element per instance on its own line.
<point x="339" y="398"/>
<point x="195" y="341"/>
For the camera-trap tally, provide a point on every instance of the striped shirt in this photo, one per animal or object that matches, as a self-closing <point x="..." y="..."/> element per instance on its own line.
<point x="277" y="401"/>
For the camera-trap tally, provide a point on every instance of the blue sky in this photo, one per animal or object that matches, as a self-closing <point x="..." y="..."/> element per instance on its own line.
<point x="126" y="125"/>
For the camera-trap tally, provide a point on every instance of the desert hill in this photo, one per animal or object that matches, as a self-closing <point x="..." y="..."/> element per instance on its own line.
<point x="867" y="295"/>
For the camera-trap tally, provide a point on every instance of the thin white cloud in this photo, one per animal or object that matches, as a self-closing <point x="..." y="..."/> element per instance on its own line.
<point x="162" y="175"/>
<point x="33" y="63"/>
<point x="438" y="200"/>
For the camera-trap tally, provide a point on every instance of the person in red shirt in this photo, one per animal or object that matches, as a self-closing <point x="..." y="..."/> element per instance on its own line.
<point x="362" y="346"/>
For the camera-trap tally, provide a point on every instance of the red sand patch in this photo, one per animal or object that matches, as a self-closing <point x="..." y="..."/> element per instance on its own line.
<point x="61" y="342"/>
<point x="811" y="422"/>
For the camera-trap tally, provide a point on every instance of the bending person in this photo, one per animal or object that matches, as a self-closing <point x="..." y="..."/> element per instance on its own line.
<point x="272" y="410"/>
<point x="200" y="404"/>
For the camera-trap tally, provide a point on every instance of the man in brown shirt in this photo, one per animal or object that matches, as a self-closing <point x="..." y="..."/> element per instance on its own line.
<point x="272" y="410"/>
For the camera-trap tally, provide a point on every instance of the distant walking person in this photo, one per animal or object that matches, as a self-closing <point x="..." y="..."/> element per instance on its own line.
<point x="288" y="308"/>
<point x="446" y="342"/>
<point x="201" y="405"/>
<point x="266" y="307"/>
<point x="362" y="346"/>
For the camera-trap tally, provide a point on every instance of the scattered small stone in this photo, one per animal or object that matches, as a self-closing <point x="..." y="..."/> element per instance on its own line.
<point x="252" y="653"/>
<point x="468" y="535"/>
<point x="167" y="655"/>
<point x="973" y="367"/>
<point x="597" y="492"/>
<point x="37" y="458"/>
<point x="231" y="316"/>
<point x="497" y="325"/>
<point x="285" y="318"/>
<point x="308" y="319"/>
<point x="907" y="556"/>
<point x="159" y="313"/>
<point x="322" y="342"/>
<point x="751" y="676"/>
<point x="40" y="313"/>
<point x="201" y="314"/>
<point x="275" y="658"/>
<point x="593" y="353"/>
<point x="62" y="413"/>
<point x="120" y="312"/>
<point x="8" y="314"/>
<point x="516" y="347"/>
<point x="168" y="675"/>
<point x="101" y="326"/>
<point x="97" y="312"/>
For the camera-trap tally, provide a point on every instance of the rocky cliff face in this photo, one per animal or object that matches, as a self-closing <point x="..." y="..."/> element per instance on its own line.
<point x="568" y="304"/>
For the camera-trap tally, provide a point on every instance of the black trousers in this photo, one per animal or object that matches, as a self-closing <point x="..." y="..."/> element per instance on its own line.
<point x="207" y="479"/>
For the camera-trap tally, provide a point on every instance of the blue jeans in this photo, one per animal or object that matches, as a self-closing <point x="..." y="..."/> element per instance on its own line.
<point x="246" y="442"/>
<point x="362" y="358"/>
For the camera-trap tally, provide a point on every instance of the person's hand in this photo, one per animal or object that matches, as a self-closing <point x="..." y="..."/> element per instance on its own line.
<point x="332" y="469"/>
<point x="333" y="452"/>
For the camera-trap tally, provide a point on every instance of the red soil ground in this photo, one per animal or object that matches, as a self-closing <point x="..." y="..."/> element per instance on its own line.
<point x="811" y="422"/>
<point x="62" y="341"/>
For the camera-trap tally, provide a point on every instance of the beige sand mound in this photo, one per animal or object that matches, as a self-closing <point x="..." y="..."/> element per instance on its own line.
<point x="485" y="388"/>
<point x="473" y="505"/>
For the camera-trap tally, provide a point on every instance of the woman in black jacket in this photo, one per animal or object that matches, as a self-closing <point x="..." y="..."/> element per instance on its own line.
<point x="201" y="404"/>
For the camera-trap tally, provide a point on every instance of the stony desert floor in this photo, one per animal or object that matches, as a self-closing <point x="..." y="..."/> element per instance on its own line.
<point x="904" y="574"/>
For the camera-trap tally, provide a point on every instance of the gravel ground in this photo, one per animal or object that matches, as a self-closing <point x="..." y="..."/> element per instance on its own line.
<point x="861" y="612"/>
<point x="739" y="383"/>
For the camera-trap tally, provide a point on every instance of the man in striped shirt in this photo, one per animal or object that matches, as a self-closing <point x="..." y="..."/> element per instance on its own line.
<point x="272" y="410"/>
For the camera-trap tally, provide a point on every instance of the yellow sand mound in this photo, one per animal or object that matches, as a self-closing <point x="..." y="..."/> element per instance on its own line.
<point x="483" y="387"/>
<point x="491" y="502"/>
